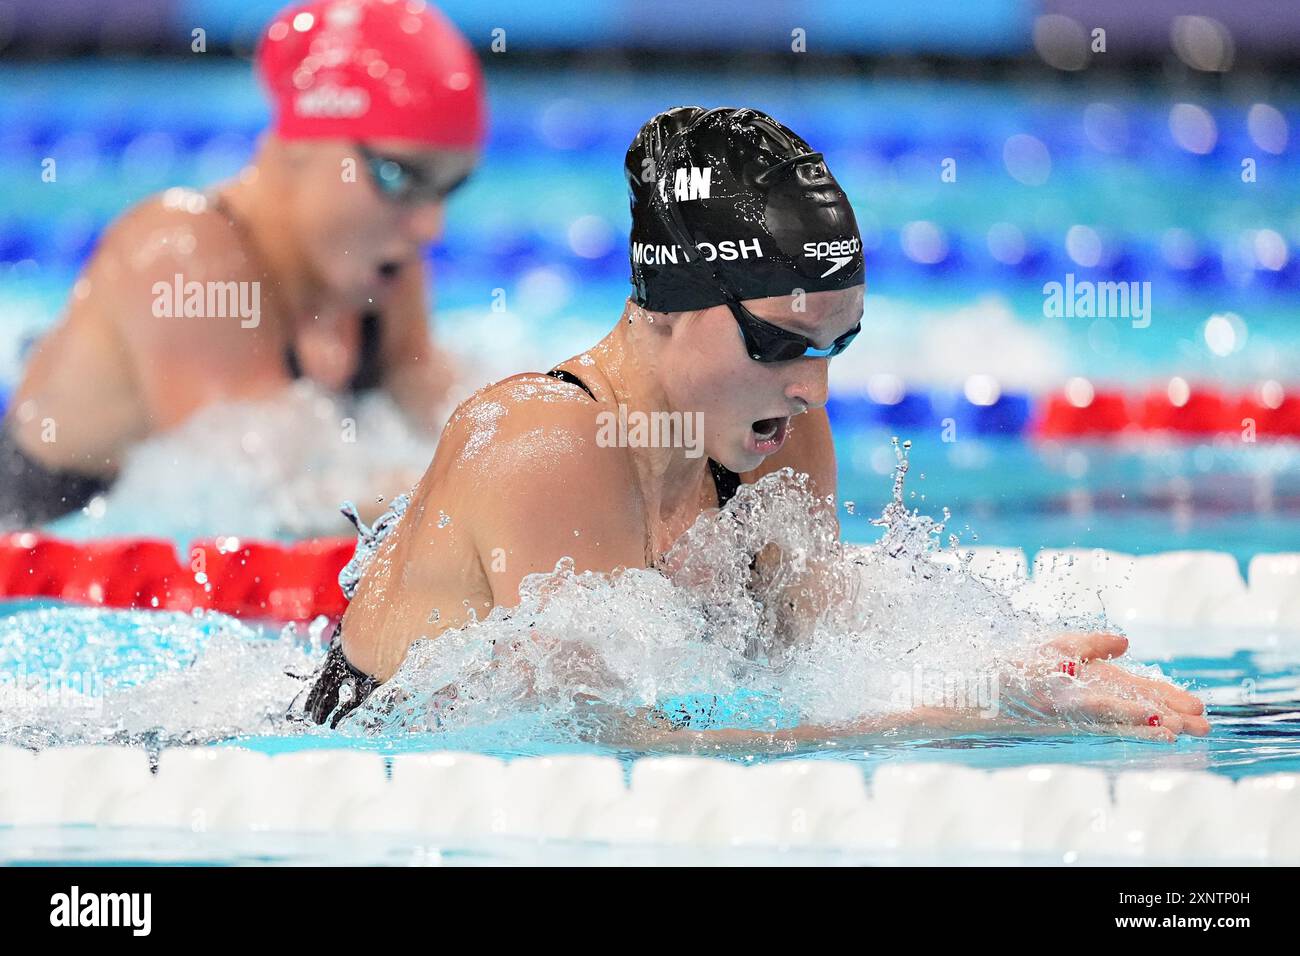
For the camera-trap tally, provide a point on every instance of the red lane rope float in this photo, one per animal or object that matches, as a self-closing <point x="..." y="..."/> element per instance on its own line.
<point x="1080" y="411"/>
<point x="255" y="579"/>
<point x="130" y="573"/>
<point x="1106" y="413"/>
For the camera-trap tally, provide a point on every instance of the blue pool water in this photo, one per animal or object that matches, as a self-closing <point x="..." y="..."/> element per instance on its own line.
<point x="955" y="289"/>
<point x="544" y="222"/>
<point x="101" y="654"/>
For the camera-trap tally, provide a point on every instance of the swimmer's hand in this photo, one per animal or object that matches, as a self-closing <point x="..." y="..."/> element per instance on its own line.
<point x="1099" y="697"/>
<point x="1041" y="699"/>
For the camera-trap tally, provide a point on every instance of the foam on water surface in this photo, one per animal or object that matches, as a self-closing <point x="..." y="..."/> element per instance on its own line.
<point x="592" y="655"/>
<point x="268" y="469"/>
<point x="585" y="658"/>
<point x="88" y="675"/>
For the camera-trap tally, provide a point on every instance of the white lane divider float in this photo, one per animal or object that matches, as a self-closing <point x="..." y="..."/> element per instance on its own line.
<point x="1070" y="813"/>
<point x="1168" y="603"/>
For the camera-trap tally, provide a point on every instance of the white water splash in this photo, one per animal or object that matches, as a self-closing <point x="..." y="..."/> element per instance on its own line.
<point x="278" y="468"/>
<point x="582" y="653"/>
<point x="90" y="675"/>
<point x="589" y="656"/>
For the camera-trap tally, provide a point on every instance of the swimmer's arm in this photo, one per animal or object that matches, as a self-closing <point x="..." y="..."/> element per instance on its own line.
<point x="1106" y="700"/>
<point x="184" y="362"/>
<point x="81" y="356"/>
<point x="417" y="374"/>
<point x="649" y="729"/>
<point x="126" y="347"/>
<point x="922" y="723"/>
<point x="543" y="490"/>
<point x="540" y="491"/>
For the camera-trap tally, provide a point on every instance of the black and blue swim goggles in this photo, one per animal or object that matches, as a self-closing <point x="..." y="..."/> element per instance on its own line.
<point x="764" y="342"/>
<point x="407" y="184"/>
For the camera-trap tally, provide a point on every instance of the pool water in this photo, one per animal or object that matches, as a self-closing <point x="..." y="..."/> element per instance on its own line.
<point x="92" y="658"/>
<point x="1253" y="703"/>
<point x="956" y="273"/>
<point x="540" y="229"/>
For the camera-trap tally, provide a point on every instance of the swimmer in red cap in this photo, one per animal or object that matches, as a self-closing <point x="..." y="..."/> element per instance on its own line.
<point x="306" y="266"/>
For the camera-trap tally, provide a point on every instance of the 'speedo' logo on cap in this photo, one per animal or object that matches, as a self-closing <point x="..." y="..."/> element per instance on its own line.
<point x="839" y="251"/>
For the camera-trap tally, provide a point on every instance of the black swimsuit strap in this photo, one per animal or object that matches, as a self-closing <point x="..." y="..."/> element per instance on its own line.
<point x="571" y="379"/>
<point x="369" y="373"/>
<point x="725" y="481"/>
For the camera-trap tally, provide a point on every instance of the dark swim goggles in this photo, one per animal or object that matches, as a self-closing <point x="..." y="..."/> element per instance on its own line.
<point x="764" y="342"/>
<point x="404" y="183"/>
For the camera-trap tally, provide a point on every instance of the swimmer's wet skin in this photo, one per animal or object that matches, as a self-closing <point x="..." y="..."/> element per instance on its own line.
<point x="328" y="272"/>
<point x="748" y="277"/>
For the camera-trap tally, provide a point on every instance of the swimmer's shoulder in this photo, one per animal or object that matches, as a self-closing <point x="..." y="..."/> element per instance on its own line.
<point x="535" y="431"/>
<point x="178" y="231"/>
<point x="530" y="415"/>
<point x="522" y="460"/>
<point x="161" y="236"/>
<point x="151" y="256"/>
<point x="139" y="294"/>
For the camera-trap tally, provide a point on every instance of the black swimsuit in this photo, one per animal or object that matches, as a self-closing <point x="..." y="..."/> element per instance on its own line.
<point x="369" y="373"/>
<point x="32" y="494"/>
<point x="338" y="687"/>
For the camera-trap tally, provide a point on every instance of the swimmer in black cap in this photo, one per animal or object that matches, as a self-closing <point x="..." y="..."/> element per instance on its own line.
<point x="748" y="277"/>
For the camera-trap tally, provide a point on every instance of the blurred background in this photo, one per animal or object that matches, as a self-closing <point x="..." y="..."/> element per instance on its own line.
<point x="990" y="147"/>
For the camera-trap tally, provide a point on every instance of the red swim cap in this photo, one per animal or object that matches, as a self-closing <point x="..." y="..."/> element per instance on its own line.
<point x="372" y="69"/>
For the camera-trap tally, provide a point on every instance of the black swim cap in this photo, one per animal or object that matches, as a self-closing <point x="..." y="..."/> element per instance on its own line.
<point x="761" y="210"/>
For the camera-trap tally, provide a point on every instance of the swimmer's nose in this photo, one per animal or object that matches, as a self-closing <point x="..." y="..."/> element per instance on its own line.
<point x="809" y="385"/>
<point x="424" y="222"/>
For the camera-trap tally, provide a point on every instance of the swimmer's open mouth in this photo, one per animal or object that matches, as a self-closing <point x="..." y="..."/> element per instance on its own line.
<point x="769" y="434"/>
